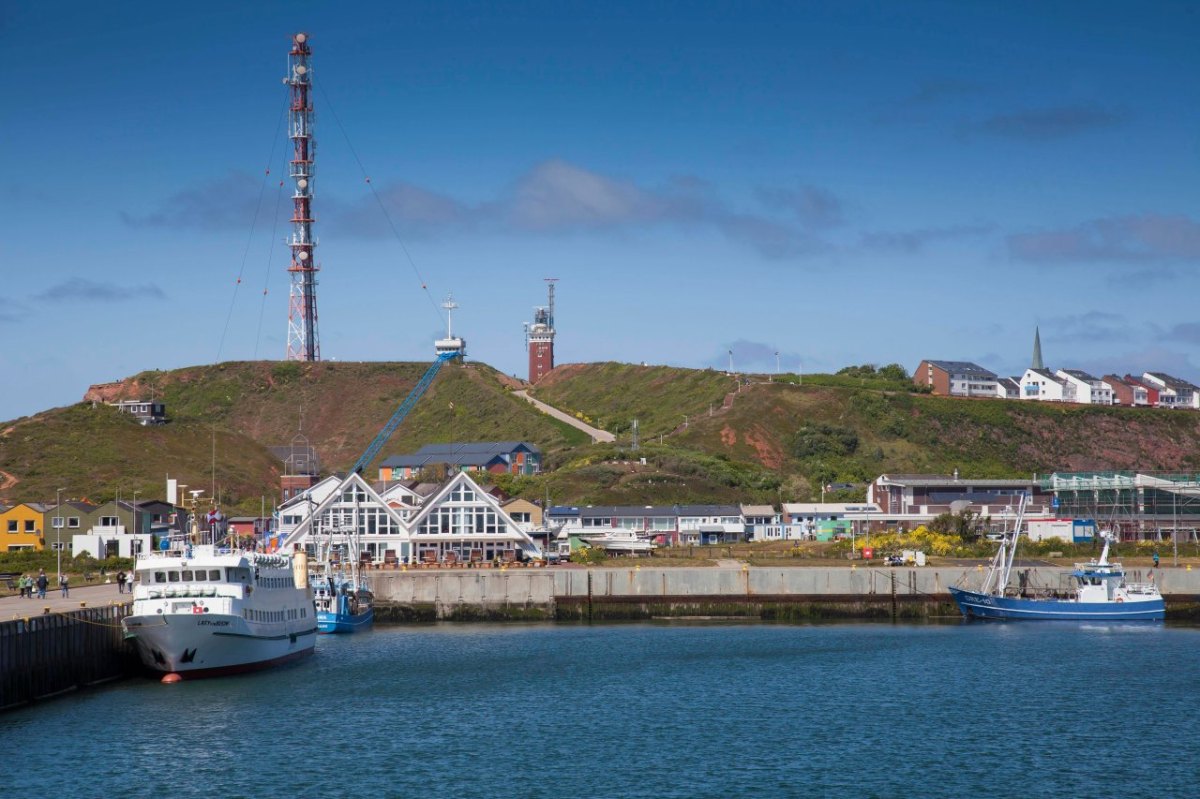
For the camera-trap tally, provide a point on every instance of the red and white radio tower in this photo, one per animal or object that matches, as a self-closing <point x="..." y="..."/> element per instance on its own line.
<point x="303" y="344"/>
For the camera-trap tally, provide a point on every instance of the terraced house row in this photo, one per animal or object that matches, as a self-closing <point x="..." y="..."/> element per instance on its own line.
<point x="117" y="528"/>
<point x="1149" y="390"/>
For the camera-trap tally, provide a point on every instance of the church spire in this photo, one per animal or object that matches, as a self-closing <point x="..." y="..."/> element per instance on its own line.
<point x="1037" y="350"/>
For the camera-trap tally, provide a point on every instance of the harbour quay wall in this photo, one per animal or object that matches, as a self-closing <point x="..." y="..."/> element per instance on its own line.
<point x="46" y="655"/>
<point x="778" y="593"/>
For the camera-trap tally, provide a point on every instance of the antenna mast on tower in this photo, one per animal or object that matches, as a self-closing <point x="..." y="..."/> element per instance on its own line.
<point x="303" y="343"/>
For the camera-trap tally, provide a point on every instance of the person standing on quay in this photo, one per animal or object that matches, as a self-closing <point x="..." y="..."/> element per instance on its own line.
<point x="121" y="582"/>
<point x="62" y="583"/>
<point x="42" y="582"/>
<point x="26" y="586"/>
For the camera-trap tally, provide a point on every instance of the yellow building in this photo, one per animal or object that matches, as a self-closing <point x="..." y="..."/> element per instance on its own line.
<point x="21" y="527"/>
<point x="524" y="513"/>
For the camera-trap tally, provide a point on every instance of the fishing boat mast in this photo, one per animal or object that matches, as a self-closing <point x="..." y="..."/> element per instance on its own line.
<point x="996" y="581"/>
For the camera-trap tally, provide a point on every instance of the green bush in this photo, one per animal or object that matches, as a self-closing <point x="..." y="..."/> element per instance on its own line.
<point x="824" y="439"/>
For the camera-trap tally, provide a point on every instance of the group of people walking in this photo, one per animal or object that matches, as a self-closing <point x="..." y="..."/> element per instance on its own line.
<point x="28" y="584"/>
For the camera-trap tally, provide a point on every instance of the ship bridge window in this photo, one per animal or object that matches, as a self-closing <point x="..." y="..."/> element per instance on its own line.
<point x="188" y="576"/>
<point x="160" y="577"/>
<point x="214" y="575"/>
<point x="172" y="577"/>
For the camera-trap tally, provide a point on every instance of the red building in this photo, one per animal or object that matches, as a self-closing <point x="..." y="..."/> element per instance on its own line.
<point x="541" y="353"/>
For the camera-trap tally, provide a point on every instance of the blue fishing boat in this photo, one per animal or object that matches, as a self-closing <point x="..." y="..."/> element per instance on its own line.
<point x="1100" y="592"/>
<point x="341" y="593"/>
<point x="343" y="604"/>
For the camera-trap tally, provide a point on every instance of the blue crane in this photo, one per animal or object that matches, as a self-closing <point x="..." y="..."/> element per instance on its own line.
<point x="372" y="450"/>
<point x="406" y="406"/>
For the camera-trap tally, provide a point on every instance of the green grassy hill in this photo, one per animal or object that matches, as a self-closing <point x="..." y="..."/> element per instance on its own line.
<point x="835" y="428"/>
<point x="753" y="440"/>
<point x="339" y="407"/>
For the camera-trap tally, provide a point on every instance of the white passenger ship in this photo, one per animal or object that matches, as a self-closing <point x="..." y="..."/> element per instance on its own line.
<point x="203" y="610"/>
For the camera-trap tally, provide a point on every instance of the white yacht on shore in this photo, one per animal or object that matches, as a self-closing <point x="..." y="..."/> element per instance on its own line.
<point x="625" y="541"/>
<point x="202" y="610"/>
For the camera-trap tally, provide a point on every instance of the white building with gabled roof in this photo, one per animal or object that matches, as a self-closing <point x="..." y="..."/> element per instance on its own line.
<point x="345" y="514"/>
<point x="1173" y="392"/>
<point x="1041" y="384"/>
<point x="1008" y="387"/>
<point x="459" y="523"/>
<point x="462" y="523"/>
<point x="405" y="499"/>
<point x="1079" y="386"/>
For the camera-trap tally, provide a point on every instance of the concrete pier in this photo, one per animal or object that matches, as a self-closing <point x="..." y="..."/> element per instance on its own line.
<point x="55" y="652"/>
<point x="766" y="592"/>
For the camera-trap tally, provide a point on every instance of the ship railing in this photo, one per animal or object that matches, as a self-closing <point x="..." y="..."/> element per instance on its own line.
<point x="191" y="591"/>
<point x="1148" y="589"/>
<point x="1100" y="569"/>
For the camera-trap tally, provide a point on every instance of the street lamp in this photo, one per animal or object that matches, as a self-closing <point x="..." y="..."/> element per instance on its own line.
<point x="58" y="525"/>
<point x="868" y="527"/>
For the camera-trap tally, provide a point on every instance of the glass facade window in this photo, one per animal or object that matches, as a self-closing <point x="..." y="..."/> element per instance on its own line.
<point x="465" y="521"/>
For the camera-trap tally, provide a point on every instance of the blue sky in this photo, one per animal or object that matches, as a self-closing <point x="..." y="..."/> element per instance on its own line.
<point x="839" y="183"/>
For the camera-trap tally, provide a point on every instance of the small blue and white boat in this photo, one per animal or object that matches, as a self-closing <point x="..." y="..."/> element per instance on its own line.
<point x="343" y="605"/>
<point x="1101" y="592"/>
<point x="341" y="593"/>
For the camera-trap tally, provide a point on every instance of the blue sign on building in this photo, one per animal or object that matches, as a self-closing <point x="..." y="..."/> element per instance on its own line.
<point x="1083" y="530"/>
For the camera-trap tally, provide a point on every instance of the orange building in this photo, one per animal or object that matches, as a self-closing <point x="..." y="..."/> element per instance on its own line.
<point x="21" y="527"/>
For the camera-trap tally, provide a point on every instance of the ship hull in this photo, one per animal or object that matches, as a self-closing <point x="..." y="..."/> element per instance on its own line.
<point x="974" y="605"/>
<point x="342" y="623"/>
<point x="207" y="645"/>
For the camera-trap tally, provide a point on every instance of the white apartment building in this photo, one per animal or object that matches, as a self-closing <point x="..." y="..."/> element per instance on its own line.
<point x="1041" y="384"/>
<point x="1079" y="386"/>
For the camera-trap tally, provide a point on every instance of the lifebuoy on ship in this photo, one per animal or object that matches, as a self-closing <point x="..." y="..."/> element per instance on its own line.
<point x="1120" y="599"/>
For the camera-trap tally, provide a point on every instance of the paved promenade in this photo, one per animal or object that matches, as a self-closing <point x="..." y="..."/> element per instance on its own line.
<point x="597" y="435"/>
<point x="14" y="607"/>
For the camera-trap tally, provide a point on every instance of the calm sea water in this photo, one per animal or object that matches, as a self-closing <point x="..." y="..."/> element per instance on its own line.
<point x="671" y="710"/>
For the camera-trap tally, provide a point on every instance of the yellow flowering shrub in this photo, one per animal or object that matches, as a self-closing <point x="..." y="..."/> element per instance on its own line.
<point x="920" y="538"/>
